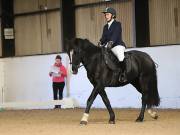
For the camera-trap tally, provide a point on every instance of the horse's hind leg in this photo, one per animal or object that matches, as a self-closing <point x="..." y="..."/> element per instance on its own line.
<point x="136" y="84"/>
<point x="152" y="113"/>
<point x="108" y="105"/>
<point x="142" y="86"/>
<point x="141" y="115"/>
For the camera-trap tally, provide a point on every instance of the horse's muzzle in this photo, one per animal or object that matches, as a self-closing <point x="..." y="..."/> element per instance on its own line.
<point x="75" y="72"/>
<point x="74" y="69"/>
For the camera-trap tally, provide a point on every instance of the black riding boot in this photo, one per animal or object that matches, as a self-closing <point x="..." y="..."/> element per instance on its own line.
<point x="123" y="74"/>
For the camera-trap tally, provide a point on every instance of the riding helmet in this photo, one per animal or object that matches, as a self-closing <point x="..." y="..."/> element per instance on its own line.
<point x="110" y="10"/>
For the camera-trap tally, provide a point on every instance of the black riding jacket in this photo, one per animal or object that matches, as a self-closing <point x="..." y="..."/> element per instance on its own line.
<point x="114" y="33"/>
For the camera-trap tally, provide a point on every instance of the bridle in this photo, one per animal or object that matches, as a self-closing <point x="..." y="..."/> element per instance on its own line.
<point x="70" y="56"/>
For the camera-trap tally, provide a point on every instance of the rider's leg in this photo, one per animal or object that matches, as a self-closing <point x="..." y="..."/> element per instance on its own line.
<point x="119" y="53"/>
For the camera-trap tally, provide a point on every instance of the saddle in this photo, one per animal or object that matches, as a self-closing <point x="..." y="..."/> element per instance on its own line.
<point x="111" y="60"/>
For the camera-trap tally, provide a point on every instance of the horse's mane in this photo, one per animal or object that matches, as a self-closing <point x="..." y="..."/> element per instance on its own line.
<point x="88" y="46"/>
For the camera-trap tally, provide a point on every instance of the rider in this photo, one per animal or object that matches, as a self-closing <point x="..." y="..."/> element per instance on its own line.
<point x="112" y="37"/>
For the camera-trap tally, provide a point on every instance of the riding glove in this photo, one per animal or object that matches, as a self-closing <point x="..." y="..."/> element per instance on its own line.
<point x="99" y="44"/>
<point x="109" y="44"/>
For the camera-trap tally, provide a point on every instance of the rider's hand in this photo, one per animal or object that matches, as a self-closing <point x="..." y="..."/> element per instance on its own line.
<point x="60" y="72"/>
<point x="110" y="44"/>
<point x="50" y="74"/>
<point x="99" y="44"/>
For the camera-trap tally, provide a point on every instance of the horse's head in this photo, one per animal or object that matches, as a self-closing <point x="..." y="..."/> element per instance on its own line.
<point x="76" y="59"/>
<point x="74" y="51"/>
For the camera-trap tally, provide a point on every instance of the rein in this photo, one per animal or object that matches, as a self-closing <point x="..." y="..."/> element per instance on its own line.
<point x="71" y="61"/>
<point x="77" y="66"/>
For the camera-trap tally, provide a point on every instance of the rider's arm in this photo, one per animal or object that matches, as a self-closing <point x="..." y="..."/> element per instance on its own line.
<point x="117" y="33"/>
<point x="103" y="38"/>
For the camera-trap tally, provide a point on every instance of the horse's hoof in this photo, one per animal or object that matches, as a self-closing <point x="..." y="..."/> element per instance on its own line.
<point x="139" y="120"/>
<point x="111" y="122"/>
<point x="83" y="123"/>
<point x="155" y="117"/>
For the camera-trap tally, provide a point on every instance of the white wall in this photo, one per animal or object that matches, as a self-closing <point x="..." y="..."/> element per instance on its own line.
<point x="26" y="79"/>
<point x="1" y="79"/>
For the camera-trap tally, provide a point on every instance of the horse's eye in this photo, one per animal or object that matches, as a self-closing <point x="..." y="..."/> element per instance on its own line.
<point x="76" y="51"/>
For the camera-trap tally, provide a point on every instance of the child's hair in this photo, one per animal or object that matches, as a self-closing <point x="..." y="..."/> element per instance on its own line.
<point x="58" y="57"/>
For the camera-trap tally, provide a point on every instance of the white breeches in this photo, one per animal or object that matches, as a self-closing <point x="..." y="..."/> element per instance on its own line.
<point x="119" y="52"/>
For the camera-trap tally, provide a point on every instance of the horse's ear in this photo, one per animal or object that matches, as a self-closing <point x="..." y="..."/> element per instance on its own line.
<point x="75" y="41"/>
<point x="69" y="44"/>
<point x="86" y="40"/>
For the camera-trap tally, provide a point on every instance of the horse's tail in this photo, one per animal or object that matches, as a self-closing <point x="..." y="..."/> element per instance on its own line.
<point x="153" y="95"/>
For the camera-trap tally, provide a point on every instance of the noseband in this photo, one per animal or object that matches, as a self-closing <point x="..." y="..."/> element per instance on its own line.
<point x="71" y="62"/>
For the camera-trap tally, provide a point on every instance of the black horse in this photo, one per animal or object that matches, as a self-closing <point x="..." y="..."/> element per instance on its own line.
<point x="142" y="76"/>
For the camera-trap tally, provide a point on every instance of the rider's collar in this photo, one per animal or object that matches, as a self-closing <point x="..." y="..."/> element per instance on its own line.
<point x="110" y="22"/>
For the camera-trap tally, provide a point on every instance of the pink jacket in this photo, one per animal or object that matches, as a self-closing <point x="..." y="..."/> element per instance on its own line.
<point x="63" y="74"/>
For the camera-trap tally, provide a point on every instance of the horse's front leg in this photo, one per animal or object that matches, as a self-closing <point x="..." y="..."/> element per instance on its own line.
<point x="90" y="100"/>
<point x="108" y="106"/>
